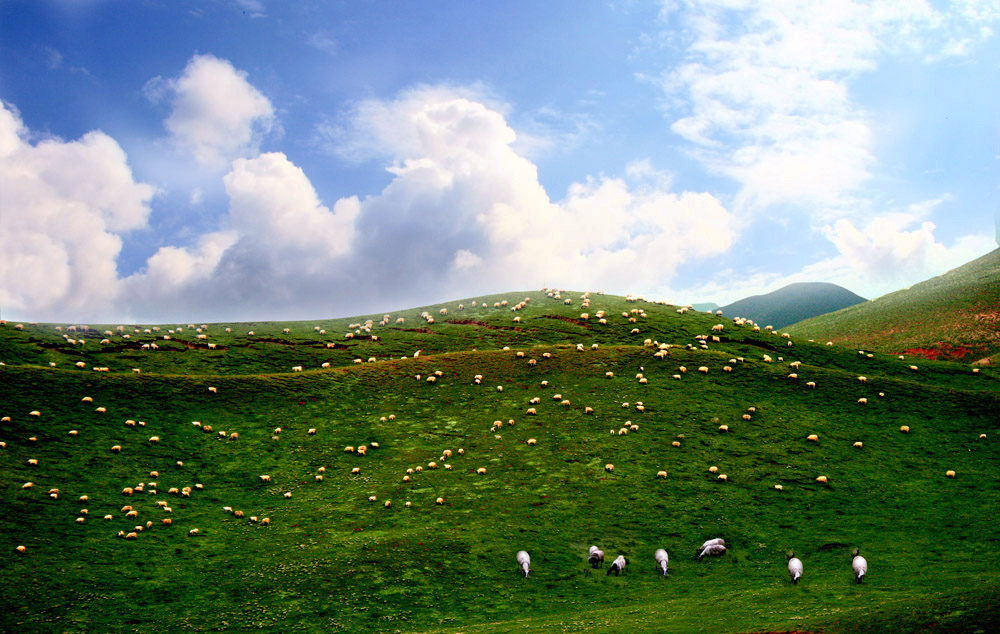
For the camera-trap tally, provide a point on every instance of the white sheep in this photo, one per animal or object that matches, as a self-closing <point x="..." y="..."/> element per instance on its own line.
<point x="523" y="561"/>
<point x="617" y="565"/>
<point x="859" y="564"/>
<point x="714" y="550"/>
<point x="662" y="560"/>
<point x="718" y="541"/>
<point x="596" y="557"/>
<point x="794" y="567"/>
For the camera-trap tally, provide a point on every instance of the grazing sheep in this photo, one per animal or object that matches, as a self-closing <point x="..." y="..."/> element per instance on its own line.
<point x="662" y="560"/>
<point x="858" y="445"/>
<point x="617" y="565"/>
<point x="703" y="369"/>
<point x="812" y="438"/>
<point x="722" y="477"/>
<point x="661" y="474"/>
<point x="711" y="542"/>
<point x="675" y="443"/>
<point x="862" y="401"/>
<point x="713" y="550"/>
<point x="532" y="441"/>
<point x="524" y="561"/>
<point x="265" y="478"/>
<point x="609" y="467"/>
<point x="794" y="567"/>
<point x="746" y="417"/>
<point x="811" y="384"/>
<point x="596" y="557"/>
<point x="905" y="429"/>
<point x="949" y="473"/>
<point x="439" y="501"/>
<point x="859" y="564"/>
<point x="821" y="479"/>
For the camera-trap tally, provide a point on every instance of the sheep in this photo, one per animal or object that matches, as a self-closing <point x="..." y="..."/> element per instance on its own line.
<point x="862" y="401"/>
<point x="859" y="564"/>
<point x="949" y="474"/>
<point x="595" y="557"/>
<point x="905" y="429"/>
<point x="858" y="444"/>
<point x="609" y="467"/>
<point x="662" y="560"/>
<point x="713" y="469"/>
<point x="713" y="550"/>
<point x="617" y="565"/>
<point x="794" y="567"/>
<point x="722" y="477"/>
<point x="661" y="474"/>
<point x="746" y="417"/>
<point x="812" y="438"/>
<point x="723" y="428"/>
<point x="524" y="562"/>
<point x="811" y="384"/>
<point x="821" y="479"/>
<point x="675" y="443"/>
<point x="481" y="471"/>
<point x="532" y="441"/>
<point x="703" y="369"/>
<point x="711" y="542"/>
<point x="439" y="501"/>
<point x="265" y="478"/>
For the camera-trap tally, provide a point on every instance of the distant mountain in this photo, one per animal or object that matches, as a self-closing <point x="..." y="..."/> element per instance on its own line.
<point x="705" y="307"/>
<point x="793" y="303"/>
<point x="953" y="316"/>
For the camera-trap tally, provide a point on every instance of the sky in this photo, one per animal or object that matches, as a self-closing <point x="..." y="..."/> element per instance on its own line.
<point x="173" y="160"/>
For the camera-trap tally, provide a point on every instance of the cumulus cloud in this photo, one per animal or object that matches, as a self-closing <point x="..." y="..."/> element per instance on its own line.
<point x="763" y="97"/>
<point x="65" y="206"/>
<point x="464" y="214"/>
<point x="216" y="114"/>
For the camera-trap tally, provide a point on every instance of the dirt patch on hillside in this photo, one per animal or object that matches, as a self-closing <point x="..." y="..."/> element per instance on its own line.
<point x="482" y="324"/>
<point x="942" y="350"/>
<point x="578" y="322"/>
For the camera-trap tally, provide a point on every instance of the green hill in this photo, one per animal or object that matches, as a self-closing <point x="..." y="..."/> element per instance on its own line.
<point x="793" y="303"/>
<point x="334" y="558"/>
<point x="953" y="316"/>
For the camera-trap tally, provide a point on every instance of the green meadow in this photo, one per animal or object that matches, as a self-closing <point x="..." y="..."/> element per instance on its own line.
<point x="346" y="554"/>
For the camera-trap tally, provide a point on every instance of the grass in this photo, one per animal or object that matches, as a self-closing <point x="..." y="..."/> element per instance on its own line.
<point x="953" y="316"/>
<point x="332" y="561"/>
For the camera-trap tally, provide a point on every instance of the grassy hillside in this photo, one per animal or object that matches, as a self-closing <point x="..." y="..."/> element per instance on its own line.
<point x="793" y="303"/>
<point x="331" y="560"/>
<point x="953" y="316"/>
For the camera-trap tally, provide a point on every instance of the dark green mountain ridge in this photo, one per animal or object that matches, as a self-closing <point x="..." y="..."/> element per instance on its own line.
<point x="793" y="303"/>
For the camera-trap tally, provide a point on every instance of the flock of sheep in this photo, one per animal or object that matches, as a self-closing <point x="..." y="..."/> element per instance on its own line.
<point x="711" y="548"/>
<point x="714" y="547"/>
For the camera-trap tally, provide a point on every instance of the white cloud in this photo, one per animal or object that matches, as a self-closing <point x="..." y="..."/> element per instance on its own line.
<point x="463" y="214"/>
<point x="172" y="267"/>
<point x="323" y="42"/>
<point x="889" y="252"/>
<point x="272" y="202"/>
<point x="763" y="92"/>
<point x="216" y="114"/>
<point x="64" y="207"/>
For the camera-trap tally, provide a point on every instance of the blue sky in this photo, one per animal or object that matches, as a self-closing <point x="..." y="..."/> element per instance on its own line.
<point x="245" y="159"/>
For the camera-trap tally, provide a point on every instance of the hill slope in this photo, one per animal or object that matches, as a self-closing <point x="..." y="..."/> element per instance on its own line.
<point x="793" y="303"/>
<point x="331" y="559"/>
<point x="953" y="316"/>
